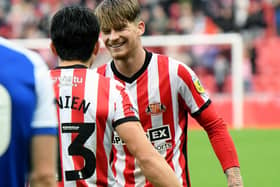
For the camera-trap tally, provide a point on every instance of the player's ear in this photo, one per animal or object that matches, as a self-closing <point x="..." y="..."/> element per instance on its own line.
<point x="53" y="49"/>
<point x="96" y="47"/>
<point x="141" y="28"/>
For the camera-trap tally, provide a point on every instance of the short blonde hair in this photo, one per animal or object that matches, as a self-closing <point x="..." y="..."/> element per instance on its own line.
<point x="117" y="13"/>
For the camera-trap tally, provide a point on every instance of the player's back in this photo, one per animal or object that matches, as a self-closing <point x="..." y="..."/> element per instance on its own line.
<point x="18" y="101"/>
<point x="86" y="105"/>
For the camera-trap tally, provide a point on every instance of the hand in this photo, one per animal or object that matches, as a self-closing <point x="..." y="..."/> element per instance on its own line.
<point x="234" y="178"/>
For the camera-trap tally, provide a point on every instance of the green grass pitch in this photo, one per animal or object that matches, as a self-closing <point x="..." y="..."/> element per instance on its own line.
<point x="259" y="156"/>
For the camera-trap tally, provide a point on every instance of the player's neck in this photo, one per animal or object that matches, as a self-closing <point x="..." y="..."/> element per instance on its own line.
<point x="132" y="64"/>
<point x="73" y="62"/>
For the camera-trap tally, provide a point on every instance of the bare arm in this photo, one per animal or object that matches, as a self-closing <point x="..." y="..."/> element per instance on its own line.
<point x="148" y="159"/>
<point x="234" y="177"/>
<point x="43" y="161"/>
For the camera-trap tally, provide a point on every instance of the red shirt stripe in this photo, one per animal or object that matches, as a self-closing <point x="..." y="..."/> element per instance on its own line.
<point x="166" y="97"/>
<point x="102" y="100"/>
<point x="78" y="117"/>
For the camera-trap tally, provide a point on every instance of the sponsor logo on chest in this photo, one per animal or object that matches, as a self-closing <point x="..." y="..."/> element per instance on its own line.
<point x="158" y="136"/>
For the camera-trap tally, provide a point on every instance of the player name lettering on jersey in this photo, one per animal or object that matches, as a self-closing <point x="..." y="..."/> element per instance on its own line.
<point x="75" y="103"/>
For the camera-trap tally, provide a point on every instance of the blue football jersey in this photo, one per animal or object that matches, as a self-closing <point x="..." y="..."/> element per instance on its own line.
<point x="26" y="109"/>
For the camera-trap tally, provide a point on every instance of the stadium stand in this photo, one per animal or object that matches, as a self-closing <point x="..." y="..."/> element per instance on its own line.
<point x="259" y="27"/>
<point x="30" y="19"/>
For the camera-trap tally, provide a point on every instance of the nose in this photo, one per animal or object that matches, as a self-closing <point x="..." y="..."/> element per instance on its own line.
<point x="114" y="35"/>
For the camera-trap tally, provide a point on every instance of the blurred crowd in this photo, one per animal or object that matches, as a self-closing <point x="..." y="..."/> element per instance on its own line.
<point x="254" y="19"/>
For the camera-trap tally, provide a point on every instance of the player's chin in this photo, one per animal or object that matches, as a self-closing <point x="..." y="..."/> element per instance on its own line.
<point x="119" y="55"/>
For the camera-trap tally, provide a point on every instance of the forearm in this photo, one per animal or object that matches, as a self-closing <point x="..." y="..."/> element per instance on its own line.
<point x="42" y="180"/>
<point x="224" y="148"/>
<point x="155" y="169"/>
<point x="234" y="178"/>
<point x="219" y="137"/>
<point x="43" y="161"/>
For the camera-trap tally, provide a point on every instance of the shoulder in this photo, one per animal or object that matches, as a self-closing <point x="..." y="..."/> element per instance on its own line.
<point x="103" y="79"/>
<point x="166" y="59"/>
<point x="174" y="66"/>
<point x="16" y="52"/>
<point x="102" y="68"/>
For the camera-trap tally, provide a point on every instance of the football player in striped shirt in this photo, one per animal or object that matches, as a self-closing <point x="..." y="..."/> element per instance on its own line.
<point x="28" y="121"/>
<point x="90" y="107"/>
<point x="165" y="91"/>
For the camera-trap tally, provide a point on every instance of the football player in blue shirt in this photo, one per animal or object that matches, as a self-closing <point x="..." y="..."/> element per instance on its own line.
<point x="28" y="122"/>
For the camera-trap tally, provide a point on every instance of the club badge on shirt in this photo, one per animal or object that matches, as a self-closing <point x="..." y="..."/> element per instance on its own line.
<point x="155" y="108"/>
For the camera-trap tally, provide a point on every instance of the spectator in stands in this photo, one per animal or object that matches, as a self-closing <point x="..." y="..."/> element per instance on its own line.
<point x="247" y="71"/>
<point x="221" y="69"/>
<point x="159" y="21"/>
<point x="277" y="16"/>
<point x="186" y="20"/>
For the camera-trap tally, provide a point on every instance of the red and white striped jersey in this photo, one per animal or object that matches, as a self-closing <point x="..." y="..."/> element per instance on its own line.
<point x="164" y="91"/>
<point x="89" y="107"/>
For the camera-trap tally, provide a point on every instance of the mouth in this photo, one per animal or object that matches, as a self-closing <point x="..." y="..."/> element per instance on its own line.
<point x="116" y="45"/>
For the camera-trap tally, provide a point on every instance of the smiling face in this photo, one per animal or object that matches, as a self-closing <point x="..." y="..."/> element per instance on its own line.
<point x="121" y="26"/>
<point x="123" y="41"/>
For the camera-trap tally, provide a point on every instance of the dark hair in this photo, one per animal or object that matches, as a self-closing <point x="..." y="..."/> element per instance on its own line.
<point x="74" y="32"/>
